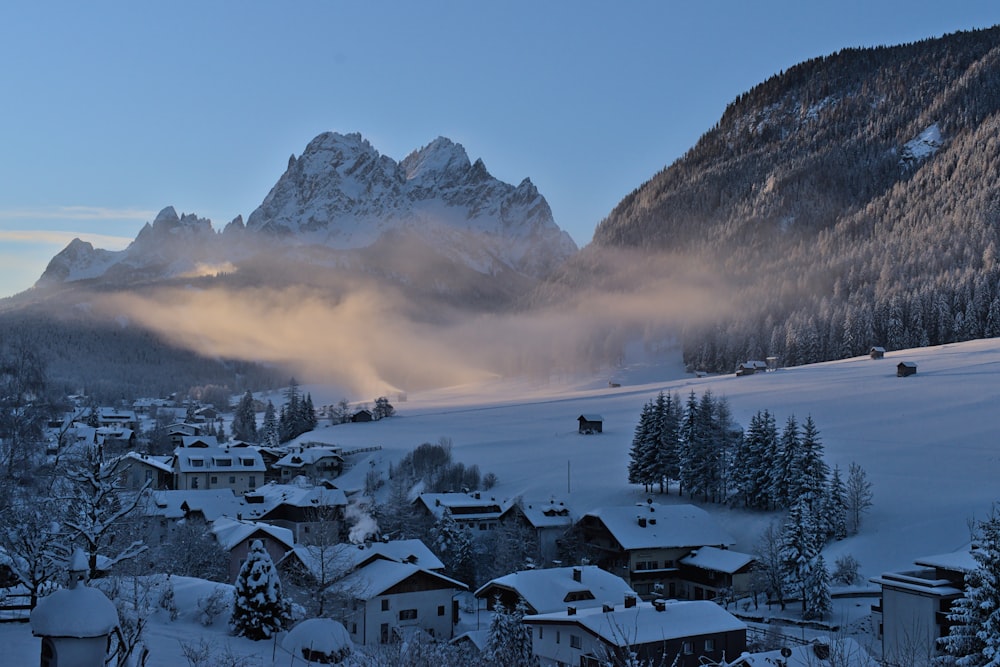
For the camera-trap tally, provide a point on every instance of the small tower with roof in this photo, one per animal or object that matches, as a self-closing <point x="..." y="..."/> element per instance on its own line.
<point x="76" y="622"/>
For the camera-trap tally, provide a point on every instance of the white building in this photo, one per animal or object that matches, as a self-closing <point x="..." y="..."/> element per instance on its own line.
<point x="552" y="589"/>
<point x="201" y="466"/>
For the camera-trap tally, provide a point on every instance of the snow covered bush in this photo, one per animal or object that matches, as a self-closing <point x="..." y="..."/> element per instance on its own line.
<point x="260" y="609"/>
<point x="167" y="601"/>
<point x="845" y="570"/>
<point x="212" y="605"/>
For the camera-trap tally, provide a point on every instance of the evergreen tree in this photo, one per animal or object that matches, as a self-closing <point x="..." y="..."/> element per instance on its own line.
<point x="974" y="637"/>
<point x="836" y="506"/>
<point x="454" y="545"/>
<point x="509" y="640"/>
<point x="270" y="436"/>
<point x="668" y="414"/>
<point x="244" y="425"/>
<point x="799" y="548"/>
<point x="638" y="472"/>
<point x="784" y="464"/>
<point x="810" y="471"/>
<point x="690" y="442"/>
<point x="817" y="592"/>
<point x="259" y="608"/>
<point x="383" y="408"/>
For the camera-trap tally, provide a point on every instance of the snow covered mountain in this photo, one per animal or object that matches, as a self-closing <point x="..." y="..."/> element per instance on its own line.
<point x="341" y="196"/>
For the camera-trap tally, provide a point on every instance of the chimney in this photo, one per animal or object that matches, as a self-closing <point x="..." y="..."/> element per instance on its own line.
<point x="577" y="574"/>
<point x="660" y="605"/>
<point x="477" y="496"/>
<point x="629" y="600"/>
<point x="607" y="608"/>
<point x="642" y="521"/>
<point x="652" y="521"/>
<point x="571" y="611"/>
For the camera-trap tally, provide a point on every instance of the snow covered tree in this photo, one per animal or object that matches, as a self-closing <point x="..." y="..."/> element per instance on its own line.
<point x="668" y="415"/>
<point x="858" y="494"/>
<point x="192" y="551"/>
<point x="509" y="639"/>
<point x="28" y="532"/>
<point x="817" y="590"/>
<point x="642" y="452"/>
<point x="22" y="407"/>
<point x="454" y="544"/>
<point x="784" y="464"/>
<point x="752" y="462"/>
<point x="769" y="568"/>
<point x="270" y="436"/>
<point x="259" y="608"/>
<point x="799" y="548"/>
<point x="383" y="408"/>
<point x="244" y="425"/>
<point x="974" y="637"/>
<point x="810" y="471"/>
<point x="836" y="506"/>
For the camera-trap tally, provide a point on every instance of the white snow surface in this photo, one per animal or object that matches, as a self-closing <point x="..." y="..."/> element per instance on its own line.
<point x="74" y="612"/>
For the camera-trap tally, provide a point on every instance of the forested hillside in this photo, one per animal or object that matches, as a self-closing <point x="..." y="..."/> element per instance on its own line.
<point x="854" y="199"/>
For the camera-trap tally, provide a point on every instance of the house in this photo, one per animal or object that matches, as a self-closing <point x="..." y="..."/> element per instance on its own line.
<point x="385" y="600"/>
<point x="138" y="470"/>
<point x="198" y="465"/>
<point x="644" y="543"/>
<point x="362" y="416"/>
<point x="913" y="613"/>
<point x="751" y="367"/>
<point x="317" y="462"/>
<point x="117" y="417"/>
<point x="551" y="589"/>
<point x="325" y="563"/>
<point x="474" y="511"/>
<point x="906" y="368"/>
<point x="590" y="424"/>
<point x="710" y="572"/>
<point x="236" y="536"/>
<point x="307" y="511"/>
<point x="684" y="634"/>
<point x="178" y="431"/>
<point x="877" y="352"/>
<point x="163" y="510"/>
<point x="548" y="520"/>
<point x="820" y="652"/>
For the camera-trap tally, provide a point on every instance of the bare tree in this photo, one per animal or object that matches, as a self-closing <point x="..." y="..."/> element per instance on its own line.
<point x="859" y="495"/>
<point x="22" y="407"/>
<point x="28" y="531"/>
<point x="769" y="564"/>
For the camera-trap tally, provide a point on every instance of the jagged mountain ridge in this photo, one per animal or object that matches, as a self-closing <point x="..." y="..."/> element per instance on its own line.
<point x="341" y="196"/>
<point x="850" y="201"/>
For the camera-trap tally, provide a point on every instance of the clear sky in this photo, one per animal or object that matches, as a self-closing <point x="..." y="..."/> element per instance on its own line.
<point x="112" y="110"/>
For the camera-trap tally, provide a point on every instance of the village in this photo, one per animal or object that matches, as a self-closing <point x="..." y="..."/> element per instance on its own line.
<point x="642" y="583"/>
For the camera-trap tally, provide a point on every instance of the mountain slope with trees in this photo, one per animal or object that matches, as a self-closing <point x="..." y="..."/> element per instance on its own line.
<point x="853" y="199"/>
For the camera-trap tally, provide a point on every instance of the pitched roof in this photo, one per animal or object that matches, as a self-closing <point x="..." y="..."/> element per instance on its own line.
<point x="158" y="462"/>
<point x="546" y="514"/>
<point x="718" y="560"/>
<point x="380" y="575"/>
<point x="547" y="590"/>
<point x="308" y="456"/>
<point x="643" y="624"/>
<point x="465" y="505"/>
<point x="231" y="532"/>
<point x="345" y="557"/>
<point x="204" y="459"/>
<point x="267" y="498"/>
<point x="665" y="526"/>
<point x="212" y="503"/>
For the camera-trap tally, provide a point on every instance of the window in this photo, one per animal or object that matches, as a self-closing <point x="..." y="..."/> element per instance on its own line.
<point x="574" y="641"/>
<point x="232" y="479"/>
<point x="197" y="463"/>
<point x="688" y="648"/>
<point x="385" y="605"/>
<point x="383" y="634"/>
<point x="215" y="479"/>
<point x="709" y="645"/>
<point x="149" y="475"/>
<point x="247" y="462"/>
<point x="354" y="628"/>
<point x="540" y="628"/>
<point x="440" y="610"/>
<point x="407" y="614"/>
<point x="557" y="636"/>
<point x="646" y="565"/>
<point x="253" y="481"/>
<point x="224" y="463"/>
<point x="194" y="483"/>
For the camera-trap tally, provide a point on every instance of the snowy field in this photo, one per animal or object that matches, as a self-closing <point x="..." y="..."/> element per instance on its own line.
<point x="929" y="444"/>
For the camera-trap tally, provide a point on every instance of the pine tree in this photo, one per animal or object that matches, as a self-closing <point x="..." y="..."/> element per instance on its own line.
<point x="837" y="506"/>
<point x="509" y="639"/>
<point x="455" y="546"/>
<point x="244" y="425"/>
<point x="817" y="590"/>
<point x="690" y="442"/>
<point x="270" y="435"/>
<point x="974" y="637"/>
<point x="639" y="453"/>
<point x="798" y="547"/>
<point x="668" y="414"/>
<point x="784" y="464"/>
<point x="259" y="609"/>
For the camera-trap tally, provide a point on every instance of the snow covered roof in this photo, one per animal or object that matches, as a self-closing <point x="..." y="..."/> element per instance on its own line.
<point x="74" y="612"/>
<point x="159" y="462"/>
<point x="465" y="505"/>
<point x="591" y="418"/>
<point x="552" y="589"/>
<point x="546" y="514"/>
<point x="718" y="560"/>
<point x="644" y="624"/>
<point x="199" y="441"/>
<point x="317" y="635"/>
<point x="651" y="525"/>
<point x="346" y="557"/>
<point x="380" y="575"/>
<point x="956" y="561"/>
<point x="307" y="457"/>
<point x="231" y="532"/>
<point x="213" y="458"/>
<point x="845" y="651"/>
<point x="266" y="498"/>
<point x="212" y="503"/>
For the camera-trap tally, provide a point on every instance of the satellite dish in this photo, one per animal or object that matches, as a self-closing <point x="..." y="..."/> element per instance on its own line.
<point x="786" y="652"/>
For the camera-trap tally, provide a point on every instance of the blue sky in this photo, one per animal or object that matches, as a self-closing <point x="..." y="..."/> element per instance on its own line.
<point x="113" y="110"/>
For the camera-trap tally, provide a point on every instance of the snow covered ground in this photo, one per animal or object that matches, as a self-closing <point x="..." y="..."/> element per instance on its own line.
<point x="928" y="443"/>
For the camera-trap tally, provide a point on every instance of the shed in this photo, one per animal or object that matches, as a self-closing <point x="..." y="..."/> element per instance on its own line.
<point x="905" y="368"/>
<point x="877" y="352"/>
<point x="591" y="424"/>
<point x="362" y="416"/>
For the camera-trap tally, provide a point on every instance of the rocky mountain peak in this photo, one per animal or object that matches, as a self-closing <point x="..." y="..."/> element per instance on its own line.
<point x="440" y="158"/>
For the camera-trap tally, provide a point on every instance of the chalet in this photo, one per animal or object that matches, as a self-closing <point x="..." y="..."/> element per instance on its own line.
<point x="236" y="536"/>
<point x="163" y="510"/>
<point x="201" y="466"/>
<point x="138" y="470"/>
<point x="362" y="416"/>
<point x="551" y="589"/>
<point x="325" y="563"/>
<point x="315" y="463"/>
<point x="117" y="417"/>
<point x="692" y="632"/>
<point x="388" y="600"/>
<point x="177" y="432"/>
<point x="709" y="572"/>
<point x="474" y="511"/>
<point x="877" y="352"/>
<point x="906" y="368"/>
<point x="307" y="511"/>
<point x="751" y="367"/>
<point x="913" y="613"/>
<point x="548" y="520"/>
<point x="206" y="414"/>
<point x="590" y="424"/>
<point x="644" y="543"/>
